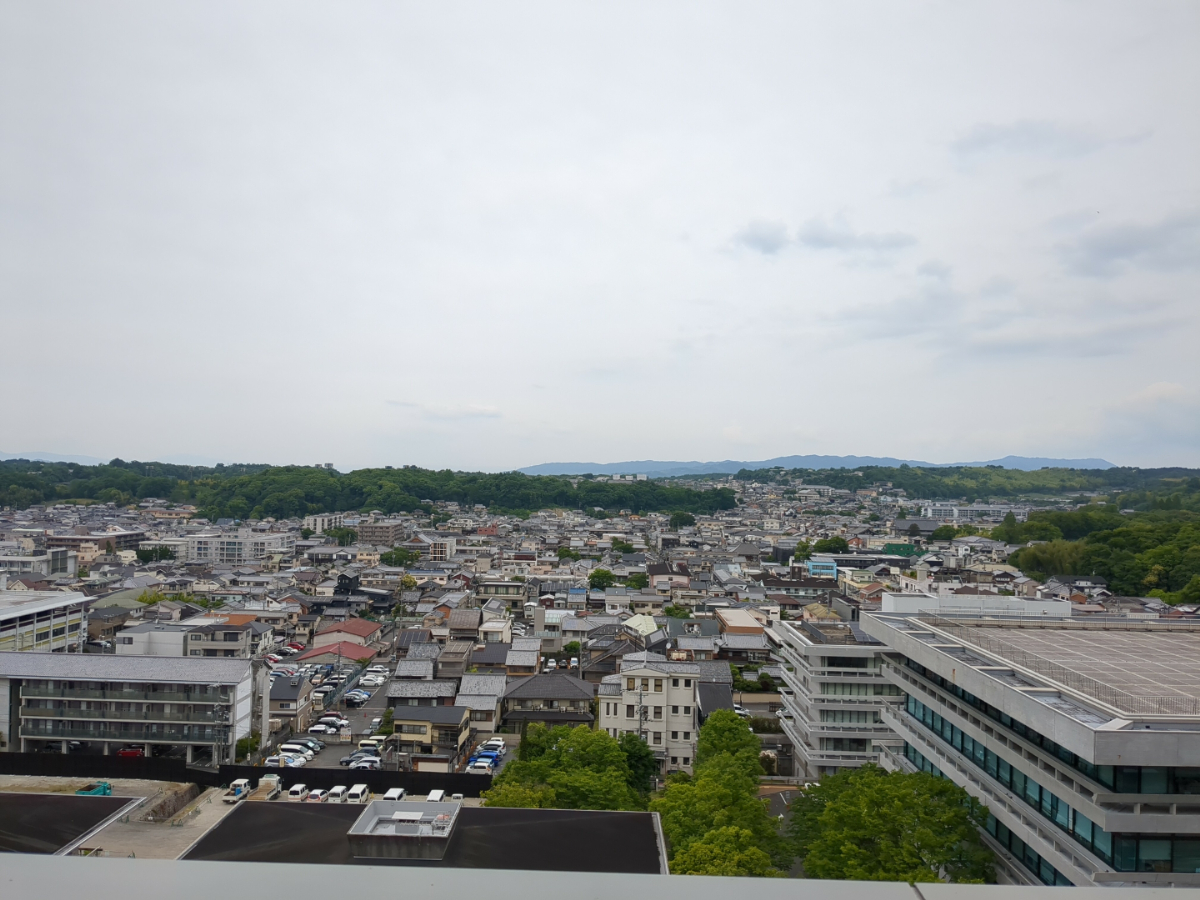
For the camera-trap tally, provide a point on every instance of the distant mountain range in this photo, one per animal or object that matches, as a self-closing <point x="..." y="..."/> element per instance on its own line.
<point x="660" y="469"/>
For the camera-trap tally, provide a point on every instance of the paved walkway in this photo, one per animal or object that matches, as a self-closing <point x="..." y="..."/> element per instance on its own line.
<point x="166" y="840"/>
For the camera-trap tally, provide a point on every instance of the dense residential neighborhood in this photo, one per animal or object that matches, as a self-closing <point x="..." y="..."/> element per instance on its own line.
<point x="845" y="632"/>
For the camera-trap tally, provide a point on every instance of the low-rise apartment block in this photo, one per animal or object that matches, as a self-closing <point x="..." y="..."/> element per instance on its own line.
<point x="106" y="703"/>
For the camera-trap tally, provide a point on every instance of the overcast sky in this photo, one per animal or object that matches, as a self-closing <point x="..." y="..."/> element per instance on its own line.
<point x="495" y="234"/>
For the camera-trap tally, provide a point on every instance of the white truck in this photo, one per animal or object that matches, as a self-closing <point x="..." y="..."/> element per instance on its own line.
<point x="268" y="788"/>
<point x="239" y="790"/>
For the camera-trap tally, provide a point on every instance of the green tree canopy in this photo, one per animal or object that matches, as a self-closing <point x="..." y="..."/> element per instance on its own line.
<point x="726" y="732"/>
<point x="724" y="851"/>
<point x="682" y="519"/>
<point x="831" y="545"/>
<point x="637" y="581"/>
<point x="803" y="551"/>
<point x="723" y="794"/>
<point x="620" y="546"/>
<point x="643" y="765"/>
<point x="398" y="556"/>
<point x="600" y="579"/>
<point x="569" y="768"/>
<point x="869" y="825"/>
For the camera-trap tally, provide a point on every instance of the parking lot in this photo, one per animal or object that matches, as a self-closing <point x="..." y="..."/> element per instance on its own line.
<point x="360" y="718"/>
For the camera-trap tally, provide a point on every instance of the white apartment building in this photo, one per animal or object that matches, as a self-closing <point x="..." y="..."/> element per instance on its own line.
<point x="322" y="521"/>
<point x="658" y="702"/>
<point x="15" y="562"/>
<point x="836" y="697"/>
<point x="238" y="547"/>
<point x="42" y="620"/>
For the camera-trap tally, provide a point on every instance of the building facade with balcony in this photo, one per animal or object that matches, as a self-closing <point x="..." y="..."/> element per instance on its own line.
<point x="1081" y="736"/>
<point x="836" y="698"/>
<point x="238" y="547"/>
<point x="107" y="703"/>
<point x="42" y="620"/>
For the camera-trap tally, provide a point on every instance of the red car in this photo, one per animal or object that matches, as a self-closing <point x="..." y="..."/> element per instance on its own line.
<point x="296" y="646"/>
<point x="131" y="751"/>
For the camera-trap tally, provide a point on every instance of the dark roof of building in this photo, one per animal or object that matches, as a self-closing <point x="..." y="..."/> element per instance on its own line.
<point x="492" y="653"/>
<point x="711" y="696"/>
<point x="437" y="715"/>
<point x="484" y="838"/>
<point x="551" y="686"/>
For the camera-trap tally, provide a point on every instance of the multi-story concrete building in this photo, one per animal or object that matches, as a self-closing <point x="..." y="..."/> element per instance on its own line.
<point x="48" y="563"/>
<point x="109" y="702"/>
<point x="42" y="620"/>
<point x="210" y="639"/>
<point x="658" y="702"/>
<point x="1081" y="736"/>
<point x="387" y="533"/>
<point x="106" y="541"/>
<point x="836" y="697"/>
<point x="323" y="521"/>
<point x="238" y="547"/>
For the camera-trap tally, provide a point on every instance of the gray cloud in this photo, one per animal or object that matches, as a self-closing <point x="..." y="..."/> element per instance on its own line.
<point x="1034" y="138"/>
<point x="401" y="192"/>
<point x="767" y="238"/>
<point x="448" y="413"/>
<point x="1170" y="244"/>
<point x="817" y="234"/>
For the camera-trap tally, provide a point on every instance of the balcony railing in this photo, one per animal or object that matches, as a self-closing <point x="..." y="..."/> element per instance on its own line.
<point x="94" y="731"/>
<point x="144" y="696"/>
<point x="118" y="715"/>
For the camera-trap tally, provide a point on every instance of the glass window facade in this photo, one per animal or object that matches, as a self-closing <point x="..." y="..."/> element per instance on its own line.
<point x="1028" y="857"/>
<point x="1124" y="852"/>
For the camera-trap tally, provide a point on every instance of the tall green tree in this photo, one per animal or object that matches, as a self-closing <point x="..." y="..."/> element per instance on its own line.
<point x="725" y="851"/>
<point x="600" y="579"/>
<point x="831" y="545"/>
<point x="681" y="519"/>
<point x="643" y="764"/>
<point x="870" y="825"/>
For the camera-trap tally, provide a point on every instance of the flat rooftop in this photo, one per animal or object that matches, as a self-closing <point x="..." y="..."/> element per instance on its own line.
<point x="557" y="840"/>
<point x="1131" y="667"/>
<point x="1162" y="663"/>
<point x="45" y="823"/>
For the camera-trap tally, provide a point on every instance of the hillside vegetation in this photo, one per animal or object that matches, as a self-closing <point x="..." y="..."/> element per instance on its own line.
<point x="1138" y="487"/>
<point x="258" y="491"/>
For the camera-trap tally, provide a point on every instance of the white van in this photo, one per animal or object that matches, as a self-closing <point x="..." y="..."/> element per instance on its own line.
<point x="395" y="794"/>
<point x="337" y="794"/>
<point x="298" y="792"/>
<point x="436" y="796"/>
<point x="358" y="794"/>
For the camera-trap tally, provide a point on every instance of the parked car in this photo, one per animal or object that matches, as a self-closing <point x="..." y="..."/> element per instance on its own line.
<point x="319" y="728"/>
<point x="376" y="722"/>
<point x="395" y="794"/>
<point x="479" y="767"/>
<point x="741" y="711"/>
<point x="284" y="761"/>
<point x="305" y="741"/>
<point x="369" y="763"/>
<point x="129" y="752"/>
<point x="316" y="796"/>
<point x="356" y="756"/>
<point x="574" y="662"/>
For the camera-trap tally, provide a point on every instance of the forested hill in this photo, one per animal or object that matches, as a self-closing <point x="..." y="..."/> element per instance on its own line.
<point x="985" y="482"/>
<point x="258" y="491"/>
